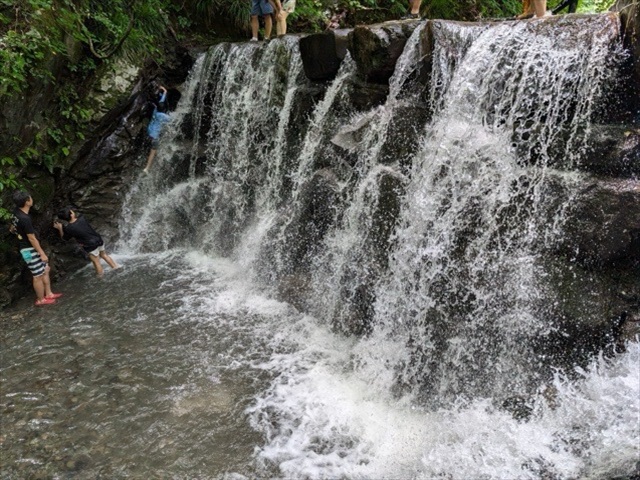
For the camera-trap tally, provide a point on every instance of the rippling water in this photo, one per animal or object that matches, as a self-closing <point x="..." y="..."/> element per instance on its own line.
<point x="148" y="369"/>
<point x="176" y="366"/>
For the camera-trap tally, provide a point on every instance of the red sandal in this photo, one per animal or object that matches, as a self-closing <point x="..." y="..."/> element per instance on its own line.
<point x="45" y="301"/>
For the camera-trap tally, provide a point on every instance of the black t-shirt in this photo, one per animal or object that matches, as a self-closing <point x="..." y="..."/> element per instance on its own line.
<point x="22" y="223"/>
<point x="84" y="233"/>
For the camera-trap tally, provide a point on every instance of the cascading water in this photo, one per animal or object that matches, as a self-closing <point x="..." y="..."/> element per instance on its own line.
<point x="408" y="243"/>
<point x="477" y="217"/>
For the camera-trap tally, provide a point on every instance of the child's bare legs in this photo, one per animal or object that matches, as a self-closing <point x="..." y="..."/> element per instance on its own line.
<point x="108" y="259"/>
<point x="540" y="7"/>
<point x="268" y="25"/>
<point x="527" y="10"/>
<point x="254" y="26"/>
<point x="281" y="25"/>
<point x="96" y="264"/>
<point x="42" y="285"/>
<point x="152" y="155"/>
<point x="415" y="6"/>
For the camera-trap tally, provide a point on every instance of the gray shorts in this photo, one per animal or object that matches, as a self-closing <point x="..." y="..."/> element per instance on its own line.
<point x="32" y="258"/>
<point x="261" y="8"/>
<point x="97" y="251"/>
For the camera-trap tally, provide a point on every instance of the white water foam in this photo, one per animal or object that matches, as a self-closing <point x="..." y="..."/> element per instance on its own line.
<point x="325" y="420"/>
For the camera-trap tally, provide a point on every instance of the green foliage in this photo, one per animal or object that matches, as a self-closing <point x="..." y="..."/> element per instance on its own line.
<point x="8" y="181"/>
<point x="37" y="36"/>
<point x="595" y="6"/>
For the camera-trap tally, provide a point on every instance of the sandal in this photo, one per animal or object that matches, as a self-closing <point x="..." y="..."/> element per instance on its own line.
<point x="45" y="301"/>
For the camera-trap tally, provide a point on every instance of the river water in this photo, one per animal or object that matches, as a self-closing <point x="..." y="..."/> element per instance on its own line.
<point x="185" y="364"/>
<point x="176" y="366"/>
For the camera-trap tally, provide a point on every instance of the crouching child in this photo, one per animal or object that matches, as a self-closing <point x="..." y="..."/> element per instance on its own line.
<point x="90" y="240"/>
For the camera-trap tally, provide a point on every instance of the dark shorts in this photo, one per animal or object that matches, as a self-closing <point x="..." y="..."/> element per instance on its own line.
<point x="261" y="7"/>
<point x="33" y="261"/>
<point x="154" y="142"/>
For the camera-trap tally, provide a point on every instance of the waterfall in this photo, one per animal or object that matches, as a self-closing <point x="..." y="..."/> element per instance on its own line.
<point x="469" y="285"/>
<point x="422" y="223"/>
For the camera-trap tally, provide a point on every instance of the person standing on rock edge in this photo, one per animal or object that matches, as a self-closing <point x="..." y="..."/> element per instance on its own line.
<point x="287" y="8"/>
<point x="86" y="236"/>
<point x="572" y="4"/>
<point x="158" y="119"/>
<point x="31" y="250"/>
<point x="414" y="10"/>
<point x="261" y="8"/>
<point x="530" y="8"/>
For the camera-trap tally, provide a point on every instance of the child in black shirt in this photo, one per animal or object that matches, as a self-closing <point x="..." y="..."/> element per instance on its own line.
<point x="85" y="235"/>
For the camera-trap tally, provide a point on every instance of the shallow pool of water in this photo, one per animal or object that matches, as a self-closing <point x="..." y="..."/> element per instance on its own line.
<point x="176" y="366"/>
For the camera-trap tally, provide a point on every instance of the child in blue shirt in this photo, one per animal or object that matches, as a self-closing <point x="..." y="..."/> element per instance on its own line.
<point x="158" y="119"/>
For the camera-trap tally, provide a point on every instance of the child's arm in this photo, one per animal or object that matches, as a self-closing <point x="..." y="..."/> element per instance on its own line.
<point x="163" y="97"/>
<point x="58" y="226"/>
<point x="36" y="245"/>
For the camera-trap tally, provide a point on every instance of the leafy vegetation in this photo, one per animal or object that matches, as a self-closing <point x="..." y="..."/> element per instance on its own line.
<point x="56" y="46"/>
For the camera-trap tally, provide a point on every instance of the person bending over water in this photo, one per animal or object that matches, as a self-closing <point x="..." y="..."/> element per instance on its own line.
<point x="90" y="240"/>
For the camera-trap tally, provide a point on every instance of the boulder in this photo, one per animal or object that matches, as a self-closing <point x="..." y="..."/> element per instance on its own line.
<point x="603" y="227"/>
<point x="317" y="210"/>
<point x="376" y="48"/>
<point x="629" y="11"/>
<point x="320" y="57"/>
<point x="612" y="150"/>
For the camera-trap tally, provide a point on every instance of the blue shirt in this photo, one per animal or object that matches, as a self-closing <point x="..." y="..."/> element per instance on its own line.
<point x="158" y="119"/>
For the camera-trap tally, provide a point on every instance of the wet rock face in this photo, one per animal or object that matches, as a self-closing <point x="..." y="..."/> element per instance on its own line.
<point x="376" y="48"/>
<point x="604" y="226"/>
<point x="109" y="161"/>
<point x="612" y="150"/>
<point x="320" y="56"/>
<point x="629" y="11"/>
<point x="316" y="215"/>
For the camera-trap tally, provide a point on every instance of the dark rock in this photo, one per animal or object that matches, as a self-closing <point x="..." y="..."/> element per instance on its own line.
<point x="612" y="150"/>
<point x="355" y="314"/>
<point x="295" y="289"/>
<point x="518" y="407"/>
<point x="302" y="230"/>
<point x="603" y="227"/>
<point x="629" y="11"/>
<point x="376" y="48"/>
<point x="403" y="132"/>
<point x="342" y="42"/>
<point x="317" y="211"/>
<point x="365" y="95"/>
<point x="320" y="56"/>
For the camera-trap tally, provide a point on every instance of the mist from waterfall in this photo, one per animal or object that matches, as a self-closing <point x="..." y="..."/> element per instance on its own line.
<point x="432" y="257"/>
